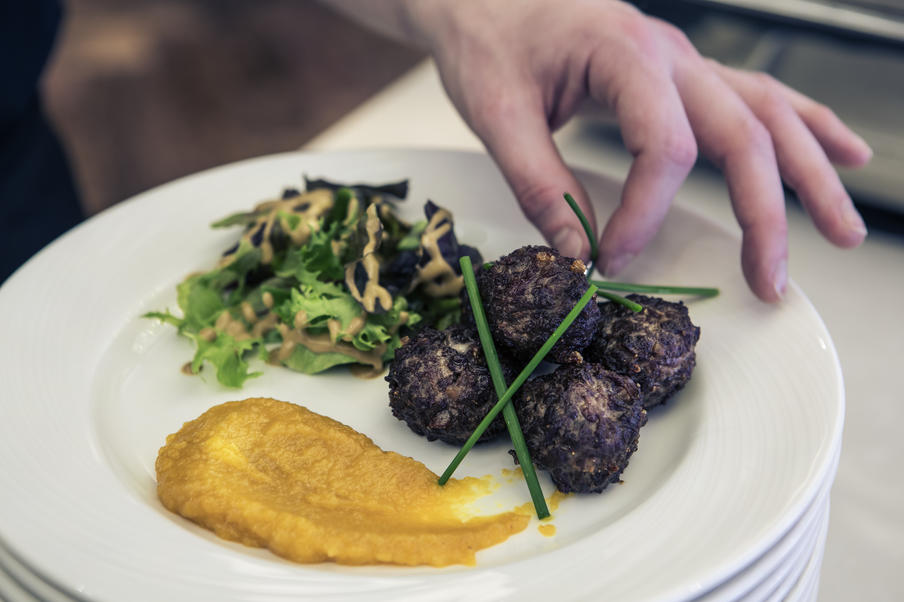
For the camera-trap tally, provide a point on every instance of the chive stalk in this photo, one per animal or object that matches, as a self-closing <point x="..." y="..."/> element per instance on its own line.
<point x="508" y="412"/>
<point x="699" y="291"/>
<point x="505" y="397"/>
<point x="594" y="249"/>
<point x="635" y="307"/>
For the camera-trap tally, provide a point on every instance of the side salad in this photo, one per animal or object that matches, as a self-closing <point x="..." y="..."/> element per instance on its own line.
<point x="320" y="278"/>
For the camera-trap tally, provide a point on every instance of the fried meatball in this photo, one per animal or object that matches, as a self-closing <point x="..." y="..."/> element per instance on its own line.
<point x="655" y="347"/>
<point x="581" y="424"/>
<point x="526" y="295"/>
<point x="440" y="386"/>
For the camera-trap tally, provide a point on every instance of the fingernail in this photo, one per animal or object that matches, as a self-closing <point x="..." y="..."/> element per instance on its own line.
<point x="568" y="242"/>
<point x="780" y="278"/>
<point x="853" y="220"/>
<point x="617" y="264"/>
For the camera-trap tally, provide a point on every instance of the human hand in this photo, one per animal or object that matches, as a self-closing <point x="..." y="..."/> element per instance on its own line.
<point x="517" y="71"/>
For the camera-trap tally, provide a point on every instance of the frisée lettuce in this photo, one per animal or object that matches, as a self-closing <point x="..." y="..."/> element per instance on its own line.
<point x="320" y="278"/>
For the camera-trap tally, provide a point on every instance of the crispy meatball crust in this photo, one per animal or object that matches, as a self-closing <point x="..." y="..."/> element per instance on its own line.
<point x="440" y="386"/>
<point x="654" y="347"/>
<point x="581" y="424"/>
<point x="526" y="295"/>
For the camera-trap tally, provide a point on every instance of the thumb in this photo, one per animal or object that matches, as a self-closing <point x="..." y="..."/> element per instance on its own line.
<point x="519" y="140"/>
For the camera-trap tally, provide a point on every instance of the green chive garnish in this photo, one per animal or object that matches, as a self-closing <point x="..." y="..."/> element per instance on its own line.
<point x="699" y="291"/>
<point x="635" y="307"/>
<point x="505" y="395"/>
<point x="508" y="412"/>
<point x="594" y="249"/>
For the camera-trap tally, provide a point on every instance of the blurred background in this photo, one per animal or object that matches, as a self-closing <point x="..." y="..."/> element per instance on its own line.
<point x="145" y="91"/>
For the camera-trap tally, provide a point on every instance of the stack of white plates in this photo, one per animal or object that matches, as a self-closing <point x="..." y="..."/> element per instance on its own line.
<point x="725" y="499"/>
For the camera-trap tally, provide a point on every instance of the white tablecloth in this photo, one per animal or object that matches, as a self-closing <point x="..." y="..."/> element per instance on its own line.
<point x="859" y="293"/>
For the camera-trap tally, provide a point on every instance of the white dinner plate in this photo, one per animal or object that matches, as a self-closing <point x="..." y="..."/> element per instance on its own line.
<point x="806" y="586"/>
<point x="12" y="591"/>
<point x="91" y="390"/>
<point x="764" y="574"/>
<point x="19" y="584"/>
<point x="775" y="587"/>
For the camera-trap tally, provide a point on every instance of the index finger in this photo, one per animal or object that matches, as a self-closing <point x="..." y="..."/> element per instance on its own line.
<point x="513" y="126"/>
<point x="656" y="131"/>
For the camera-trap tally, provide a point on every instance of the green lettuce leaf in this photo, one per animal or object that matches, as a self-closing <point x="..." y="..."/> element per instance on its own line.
<point x="306" y="361"/>
<point x="316" y="257"/>
<point x="202" y="297"/>
<point x="227" y="356"/>
<point x="321" y="304"/>
<point x="383" y="328"/>
<point x="200" y="303"/>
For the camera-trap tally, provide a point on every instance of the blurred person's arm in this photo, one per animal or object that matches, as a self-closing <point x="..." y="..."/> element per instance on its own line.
<point x="518" y="70"/>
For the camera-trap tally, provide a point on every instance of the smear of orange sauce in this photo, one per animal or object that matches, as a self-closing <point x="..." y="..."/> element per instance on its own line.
<point x="273" y="474"/>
